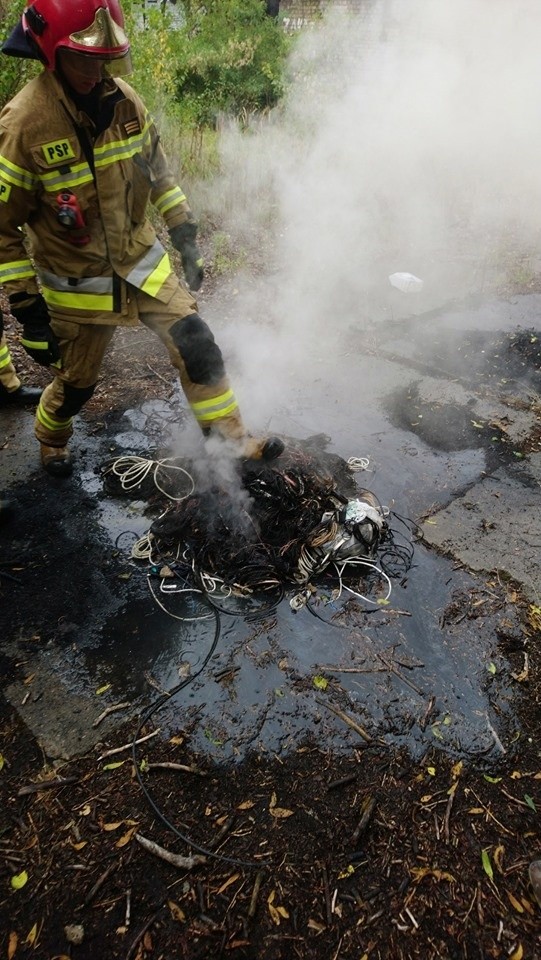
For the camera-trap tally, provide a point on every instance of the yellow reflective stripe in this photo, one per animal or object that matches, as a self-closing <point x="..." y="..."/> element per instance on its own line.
<point x="96" y="302"/>
<point x="16" y="270"/>
<point x="215" y="407"/>
<point x="18" y="176"/>
<point x="5" y="358"/>
<point x="54" y="180"/>
<point x="49" y="422"/>
<point x="157" y="278"/>
<point x="169" y="199"/>
<point x="34" y="344"/>
<point x="121" y="149"/>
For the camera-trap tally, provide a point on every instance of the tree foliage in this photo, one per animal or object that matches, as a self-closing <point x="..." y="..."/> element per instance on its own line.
<point x="213" y="57"/>
<point x="14" y="71"/>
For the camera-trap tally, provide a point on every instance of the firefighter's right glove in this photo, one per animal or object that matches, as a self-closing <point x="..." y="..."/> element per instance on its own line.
<point x="183" y="239"/>
<point x="38" y="339"/>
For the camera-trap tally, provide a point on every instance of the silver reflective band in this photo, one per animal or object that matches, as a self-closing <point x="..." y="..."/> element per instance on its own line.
<point x="81" y="285"/>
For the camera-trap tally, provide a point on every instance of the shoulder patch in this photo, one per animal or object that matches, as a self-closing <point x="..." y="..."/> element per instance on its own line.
<point x="132" y="127"/>
<point x="58" y="150"/>
<point x="5" y="190"/>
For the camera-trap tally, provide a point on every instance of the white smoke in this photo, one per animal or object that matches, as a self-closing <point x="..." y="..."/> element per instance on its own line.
<point x="409" y="140"/>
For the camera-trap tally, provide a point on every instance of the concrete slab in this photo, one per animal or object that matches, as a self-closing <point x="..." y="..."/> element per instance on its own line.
<point x="496" y="526"/>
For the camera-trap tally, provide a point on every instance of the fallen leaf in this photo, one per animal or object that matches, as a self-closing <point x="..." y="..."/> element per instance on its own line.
<point x="420" y="872"/>
<point x="278" y="812"/>
<point x="126" y="838"/>
<point x="79" y="846"/>
<point x="2" y="762"/>
<point x="498" y="854"/>
<point x="314" y="925"/>
<point x="114" y="766"/>
<point x="178" y="741"/>
<point x="12" y="945"/>
<point x="320" y="683"/>
<point x="100" y="690"/>
<point x="32" y="936"/>
<point x="514" y="902"/>
<point x="517" y="954"/>
<point x="112" y="826"/>
<point x="228" y="882"/>
<point x="276" y="912"/>
<point x="177" y="912"/>
<point x="530" y="802"/>
<point x="246" y="805"/>
<point x="19" y="880"/>
<point x="487" y="866"/>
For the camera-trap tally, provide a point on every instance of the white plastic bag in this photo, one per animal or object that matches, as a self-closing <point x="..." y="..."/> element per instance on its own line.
<point x="406" y="282"/>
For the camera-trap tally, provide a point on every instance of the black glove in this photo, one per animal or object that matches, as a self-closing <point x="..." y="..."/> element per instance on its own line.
<point x="183" y="239"/>
<point x="38" y="339"/>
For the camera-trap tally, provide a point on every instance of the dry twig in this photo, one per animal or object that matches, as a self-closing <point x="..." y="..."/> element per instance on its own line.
<point x="112" y="709"/>
<point x="127" y="746"/>
<point x="176" y="859"/>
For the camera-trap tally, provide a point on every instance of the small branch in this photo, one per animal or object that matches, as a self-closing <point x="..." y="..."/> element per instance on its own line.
<point x="143" y="930"/>
<point x="158" y="375"/>
<point x="127" y="746"/>
<point x="390" y="666"/>
<point x="351" y="723"/>
<point x="108" y="710"/>
<point x="176" y="859"/>
<point x="99" y="884"/>
<point x="328" y="909"/>
<point x="46" y="785"/>
<point x="185" y="768"/>
<point x="368" y="809"/>
<point x="255" y="893"/>
<point x="448" y="812"/>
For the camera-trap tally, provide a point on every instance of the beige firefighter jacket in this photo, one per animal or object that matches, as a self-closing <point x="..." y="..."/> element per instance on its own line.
<point x="48" y="147"/>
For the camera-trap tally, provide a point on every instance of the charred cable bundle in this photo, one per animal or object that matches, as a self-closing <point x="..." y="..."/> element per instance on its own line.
<point x="296" y="524"/>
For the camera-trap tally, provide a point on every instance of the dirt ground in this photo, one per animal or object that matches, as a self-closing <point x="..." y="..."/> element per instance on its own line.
<point x="318" y="857"/>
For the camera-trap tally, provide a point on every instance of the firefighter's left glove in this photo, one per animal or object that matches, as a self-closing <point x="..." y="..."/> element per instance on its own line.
<point x="183" y="239"/>
<point x="38" y="339"/>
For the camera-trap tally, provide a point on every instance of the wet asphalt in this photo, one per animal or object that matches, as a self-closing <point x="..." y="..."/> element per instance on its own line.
<point x="450" y="427"/>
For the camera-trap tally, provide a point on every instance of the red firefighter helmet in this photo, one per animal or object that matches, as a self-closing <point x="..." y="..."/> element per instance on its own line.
<point x="93" y="28"/>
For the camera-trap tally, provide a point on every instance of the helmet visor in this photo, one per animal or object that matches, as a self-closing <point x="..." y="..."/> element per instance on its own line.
<point x="93" y="66"/>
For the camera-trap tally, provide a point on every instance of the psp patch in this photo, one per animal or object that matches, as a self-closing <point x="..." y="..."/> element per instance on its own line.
<point x="5" y="190"/>
<point x="58" y="150"/>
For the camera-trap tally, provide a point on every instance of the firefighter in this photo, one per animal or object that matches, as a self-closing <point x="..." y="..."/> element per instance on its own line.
<point x="12" y="391"/>
<point x="80" y="158"/>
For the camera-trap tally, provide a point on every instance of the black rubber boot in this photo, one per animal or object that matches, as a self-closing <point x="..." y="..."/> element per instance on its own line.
<point x="21" y="397"/>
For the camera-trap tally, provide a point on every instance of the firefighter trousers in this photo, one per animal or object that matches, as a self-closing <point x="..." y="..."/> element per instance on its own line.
<point x="83" y="347"/>
<point x="8" y="375"/>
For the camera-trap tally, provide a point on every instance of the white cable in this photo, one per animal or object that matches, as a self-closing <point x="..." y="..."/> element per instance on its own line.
<point x="206" y="616"/>
<point x="142" y="548"/>
<point x="131" y="472"/>
<point x="358" y="463"/>
<point x="356" y="561"/>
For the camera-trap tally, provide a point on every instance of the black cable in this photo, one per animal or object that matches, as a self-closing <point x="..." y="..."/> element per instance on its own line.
<point x="152" y="709"/>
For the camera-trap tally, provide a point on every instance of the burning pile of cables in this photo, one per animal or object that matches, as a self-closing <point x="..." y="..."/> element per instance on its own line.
<point x="277" y="526"/>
